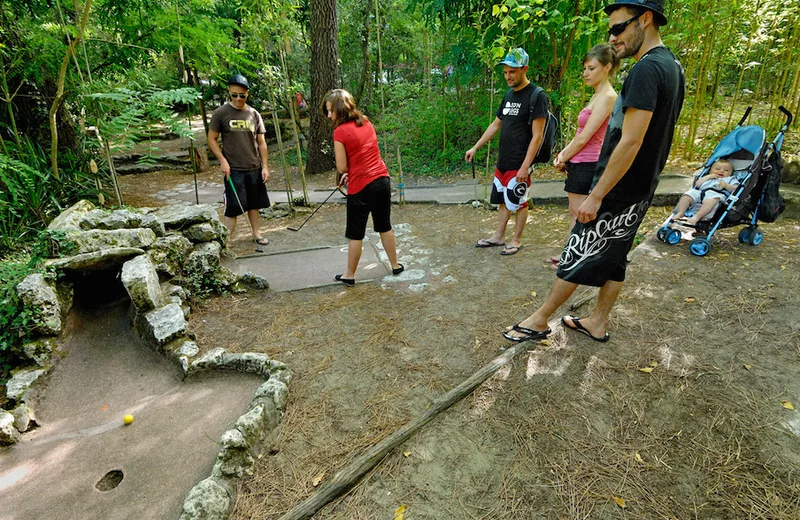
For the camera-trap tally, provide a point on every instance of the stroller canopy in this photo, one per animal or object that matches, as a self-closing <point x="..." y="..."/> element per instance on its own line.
<point x="750" y="138"/>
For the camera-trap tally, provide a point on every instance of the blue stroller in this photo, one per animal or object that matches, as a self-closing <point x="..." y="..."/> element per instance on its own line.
<point x="753" y="161"/>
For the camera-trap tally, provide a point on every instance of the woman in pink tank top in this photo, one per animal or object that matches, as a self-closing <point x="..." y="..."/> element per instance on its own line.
<point x="579" y="158"/>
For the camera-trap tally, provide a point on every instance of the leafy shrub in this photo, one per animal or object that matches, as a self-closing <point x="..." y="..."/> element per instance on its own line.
<point x="432" y="129"/>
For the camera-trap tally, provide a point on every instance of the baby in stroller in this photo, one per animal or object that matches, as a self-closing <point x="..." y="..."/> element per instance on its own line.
<point x="709" y="191"/>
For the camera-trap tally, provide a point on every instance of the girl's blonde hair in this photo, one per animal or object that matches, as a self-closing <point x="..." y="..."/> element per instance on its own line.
<point x="343" y="106"/>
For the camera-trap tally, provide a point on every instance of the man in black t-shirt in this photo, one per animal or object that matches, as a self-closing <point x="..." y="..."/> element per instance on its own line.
<point x="521" y="122"/>
<point x="634" y="152"/>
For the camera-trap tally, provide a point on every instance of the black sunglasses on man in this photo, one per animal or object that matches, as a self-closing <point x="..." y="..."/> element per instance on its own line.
<point x="619" y="28"/>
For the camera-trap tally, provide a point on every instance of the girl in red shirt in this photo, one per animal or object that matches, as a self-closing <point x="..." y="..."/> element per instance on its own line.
<point x="358" y="159"/>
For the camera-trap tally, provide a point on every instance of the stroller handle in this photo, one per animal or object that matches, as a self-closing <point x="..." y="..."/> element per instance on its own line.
<point x="744" y="117"/>
<point x="788" y="115"/>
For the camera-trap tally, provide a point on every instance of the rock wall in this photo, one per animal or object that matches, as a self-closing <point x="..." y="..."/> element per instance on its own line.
<point x="162" y="255"/>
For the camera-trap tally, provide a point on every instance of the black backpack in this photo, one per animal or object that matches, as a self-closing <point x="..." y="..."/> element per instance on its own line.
<point x="550" y="130"/>
<point x="772" y="204"/>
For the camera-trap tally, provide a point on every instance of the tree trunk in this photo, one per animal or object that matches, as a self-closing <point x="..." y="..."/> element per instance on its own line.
<point x="59" y="97"/>
<point x="324" y="77"/>
<point x="366" y="62"/>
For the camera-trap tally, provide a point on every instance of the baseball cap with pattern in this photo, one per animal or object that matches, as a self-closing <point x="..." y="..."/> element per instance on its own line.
<point x="516" y="58"/>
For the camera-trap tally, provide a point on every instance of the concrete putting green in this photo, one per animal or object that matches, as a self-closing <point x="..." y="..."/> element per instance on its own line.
<point x="83" y="462"/>
<point x="306" y="268"/>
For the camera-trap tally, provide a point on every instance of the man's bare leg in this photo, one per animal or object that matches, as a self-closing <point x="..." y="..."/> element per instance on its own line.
<point x="559" y="293"/>
<point x="519" y="225"/>
<point x="502" y="221"/>
<point x="596" y="322"/>
<point x="252" y="215"/>
<point x="230" y="223"/>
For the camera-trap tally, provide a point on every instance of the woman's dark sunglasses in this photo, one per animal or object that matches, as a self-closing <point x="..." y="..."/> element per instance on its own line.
<point x="619" y="28"/>
<point x="234" y="95"/>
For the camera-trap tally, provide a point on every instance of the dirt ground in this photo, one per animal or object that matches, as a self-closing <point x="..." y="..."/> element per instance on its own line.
<point x="571" y="429"/>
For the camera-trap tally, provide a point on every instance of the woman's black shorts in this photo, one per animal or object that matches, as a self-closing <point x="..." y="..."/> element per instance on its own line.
<point x="251" y="190"/>
<point x="580" y="177"/>
<point x="375" y="198"/>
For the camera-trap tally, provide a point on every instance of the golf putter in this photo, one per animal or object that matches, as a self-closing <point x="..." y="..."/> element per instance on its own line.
<point x="259" y="249"/>
<point x="474" y="183"/>
<point x="316" y="209"/>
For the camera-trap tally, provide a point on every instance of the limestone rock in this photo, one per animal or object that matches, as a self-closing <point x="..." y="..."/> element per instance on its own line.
<point x="274" y="391"/>
<point x="210" y="499"/>
<point x="153" y="224"/>
<point x="95" y="261"/>
<point x="41" y="299"/>
<point x="189" y="349"/>
<point x="169" y="289"/>
<point x="8" y="434"/>
<point x="169" y="253"/>
<point x="234" y="458"/>
<point x="227" y="278"/>
<point x="70" y="218"/>
<point x="164" y="324"/>
<point x="204" y="259"/>
<point x="254" y="281"/>
<point x="253" y="426"/>
<point x="20" y="382"/>
<point x="99" y="239"/>
<point x="181" y="217"/>
<point x="140" y="279"/>
<point x="202" y="232"/>
<point x="23" y="418"/>
<point x="40" y="352"/>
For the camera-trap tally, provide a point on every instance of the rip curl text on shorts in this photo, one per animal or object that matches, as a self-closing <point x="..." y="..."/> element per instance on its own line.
<point x="597" y="251"/>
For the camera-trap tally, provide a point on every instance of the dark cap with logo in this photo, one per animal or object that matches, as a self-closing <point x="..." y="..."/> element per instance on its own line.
<point x="238" y="79"/>
<point x="656" y="6"/>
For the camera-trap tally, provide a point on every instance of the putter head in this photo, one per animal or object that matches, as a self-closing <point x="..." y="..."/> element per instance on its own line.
<point x="293" y="229"/>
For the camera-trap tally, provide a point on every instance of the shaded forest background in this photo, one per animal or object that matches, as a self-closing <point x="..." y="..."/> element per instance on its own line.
<point x="423" y="70"/>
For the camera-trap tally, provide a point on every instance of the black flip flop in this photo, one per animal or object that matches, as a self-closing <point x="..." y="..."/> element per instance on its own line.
<point x="485" y="243"/>
<point x="576" y="326"/>
<point x="530" y="334"/>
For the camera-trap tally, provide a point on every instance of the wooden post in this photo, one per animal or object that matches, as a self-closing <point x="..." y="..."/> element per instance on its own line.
<point x="380" y="59"/>
<point x="279" y="135"/>
<point x="295" y="124"/>
<point x="348" y="476"/>
<point x="401" y="186"/>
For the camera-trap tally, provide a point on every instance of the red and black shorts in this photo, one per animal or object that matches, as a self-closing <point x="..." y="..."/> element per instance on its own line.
<point x="504" y="178"/>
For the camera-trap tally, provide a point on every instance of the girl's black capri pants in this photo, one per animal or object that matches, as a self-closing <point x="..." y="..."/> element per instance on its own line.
<point x="251" y="190"/>
<point x="375" y="198"/>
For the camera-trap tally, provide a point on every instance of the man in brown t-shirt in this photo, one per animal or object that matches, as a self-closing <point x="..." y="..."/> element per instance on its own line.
<point x="243" y="156"/>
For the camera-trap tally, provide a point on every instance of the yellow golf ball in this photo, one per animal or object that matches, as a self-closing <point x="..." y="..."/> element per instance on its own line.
<point x="128" y="419"/>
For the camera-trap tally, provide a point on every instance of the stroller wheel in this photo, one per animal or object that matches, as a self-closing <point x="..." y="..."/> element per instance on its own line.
<point x="661" y="234"/>
<point x="673" y="237"/>
<point x="756" y="237"/>
<point x="700" y="246"/>
<point x="744" y="235"/>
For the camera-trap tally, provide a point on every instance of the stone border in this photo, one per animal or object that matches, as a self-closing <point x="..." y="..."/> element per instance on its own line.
<point x="212" y="498"/>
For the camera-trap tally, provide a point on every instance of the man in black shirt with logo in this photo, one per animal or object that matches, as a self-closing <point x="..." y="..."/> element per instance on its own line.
<point x="521" y="122"/>
<point x="634" y="152"/>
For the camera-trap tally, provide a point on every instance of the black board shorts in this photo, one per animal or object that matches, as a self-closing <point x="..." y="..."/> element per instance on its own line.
<point x="250" y="189"/>
<point x="597" y="252"/>
<point x="580" y="177"/>
<point x="375" y="198"/>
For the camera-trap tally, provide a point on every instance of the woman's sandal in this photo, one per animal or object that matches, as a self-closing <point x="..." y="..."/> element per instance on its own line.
<point x="347" y="281"/>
